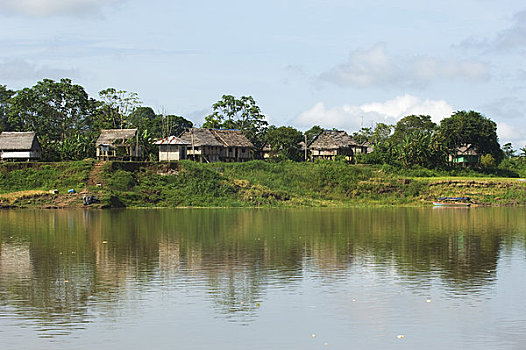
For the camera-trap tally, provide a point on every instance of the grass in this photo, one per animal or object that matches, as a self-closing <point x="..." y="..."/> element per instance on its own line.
<point x="252" y="184"/>
<point x="14" y="197"/>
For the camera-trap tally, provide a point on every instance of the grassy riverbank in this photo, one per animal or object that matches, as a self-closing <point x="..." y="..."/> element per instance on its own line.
<point x="252" y="184"/>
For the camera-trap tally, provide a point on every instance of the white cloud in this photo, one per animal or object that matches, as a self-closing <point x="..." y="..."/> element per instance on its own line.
<point x="351" y="117"/>
<point x="375" y="67"/>
<point x="511" y="133"/>
<point x="45" y="8"/>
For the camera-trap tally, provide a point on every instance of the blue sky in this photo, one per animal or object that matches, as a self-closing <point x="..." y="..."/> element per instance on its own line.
<point x="332" y="63"/>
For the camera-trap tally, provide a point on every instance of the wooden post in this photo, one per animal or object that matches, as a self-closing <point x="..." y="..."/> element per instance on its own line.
<point x="193" y="147"/>
<point x="305" y="147"/>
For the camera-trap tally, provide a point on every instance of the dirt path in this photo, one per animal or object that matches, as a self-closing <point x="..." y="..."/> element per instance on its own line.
<point x="95" y="177"/>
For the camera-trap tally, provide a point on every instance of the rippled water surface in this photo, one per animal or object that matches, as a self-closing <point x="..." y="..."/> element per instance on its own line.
<point x="263" y="279"/>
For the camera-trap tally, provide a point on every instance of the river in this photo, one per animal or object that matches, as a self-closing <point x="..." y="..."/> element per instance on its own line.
<point x="382" y="278"/>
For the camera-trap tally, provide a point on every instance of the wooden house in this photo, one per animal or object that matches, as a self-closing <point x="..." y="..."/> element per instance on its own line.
<point x="331" y="143"/>
<point x="172" y="148"/>
<point x="21" y="146"/>
<point x="236" y="146"/>
<point x="118" y="144"/>
<point x="465" y="155"/>
<point x="203" y="145"/>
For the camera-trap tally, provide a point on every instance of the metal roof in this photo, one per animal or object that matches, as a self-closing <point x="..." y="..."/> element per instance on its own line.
<point x="172" y="140"/>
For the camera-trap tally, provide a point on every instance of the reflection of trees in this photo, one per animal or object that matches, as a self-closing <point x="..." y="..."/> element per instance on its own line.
<point x="235" y="255"/>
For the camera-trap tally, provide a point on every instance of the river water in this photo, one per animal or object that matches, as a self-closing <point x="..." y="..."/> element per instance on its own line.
<point x="386" y="278"/>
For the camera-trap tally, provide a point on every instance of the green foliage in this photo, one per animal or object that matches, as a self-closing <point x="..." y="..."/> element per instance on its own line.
<point x="487" y="161"/>
<point x="56" y="111"/>
<point x="464" y="128"/>
<point x="116" y="107"/>
<point x="121" y="180"/>
<point x="313" y="132"/>
<point x="284" y="142"/>
<point x="243" y="114"/>
<point x="42" y="176"/>
<point x="5" y="100"/>
<point x="412" y="124"/>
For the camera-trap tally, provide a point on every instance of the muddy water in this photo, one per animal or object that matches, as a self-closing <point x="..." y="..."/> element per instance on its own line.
<point x="261" y="279"/>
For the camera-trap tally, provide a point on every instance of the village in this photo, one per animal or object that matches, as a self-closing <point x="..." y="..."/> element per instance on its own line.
<point x="207" y="145"/>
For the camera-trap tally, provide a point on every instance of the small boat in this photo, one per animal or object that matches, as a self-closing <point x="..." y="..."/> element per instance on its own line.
<point x="453" y="202"/>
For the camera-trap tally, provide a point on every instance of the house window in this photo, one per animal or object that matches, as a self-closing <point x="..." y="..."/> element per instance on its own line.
<point x="242" y="150"/>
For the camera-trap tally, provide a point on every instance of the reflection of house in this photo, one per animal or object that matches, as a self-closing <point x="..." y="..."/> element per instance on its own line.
<point x="211" y="145"/>
<point x="237" y="148"/>
<point x="19" y="146"/>
<point x="118" y="144"/>
<point x="465" y="155"/>
<point x="172" y="148"/>
<point x="331" y="143"/>
<point x="203" y="145"/>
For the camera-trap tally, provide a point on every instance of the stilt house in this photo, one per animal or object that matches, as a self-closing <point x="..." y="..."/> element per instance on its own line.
<point x="118" y="144"/>
<point x="331" y="143"/>
<point x="465" y="155"/>
<point x="236" y="146"/>
<point x="203" y="146"/>
<point x="19" y="146"/>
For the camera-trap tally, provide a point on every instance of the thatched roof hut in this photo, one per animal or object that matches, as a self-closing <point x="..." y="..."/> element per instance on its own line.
<point x="19" y="145"/>
<point x="18" y="141"/>
<point x="232" y="138"/>
<point x="200" y="137"/>
<point x="332" y="140"/>
<point x="113" y="136"/>
<point x="118" y="144"/>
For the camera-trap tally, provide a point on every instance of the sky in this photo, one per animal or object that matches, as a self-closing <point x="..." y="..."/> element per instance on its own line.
<point x="335" y="63"/>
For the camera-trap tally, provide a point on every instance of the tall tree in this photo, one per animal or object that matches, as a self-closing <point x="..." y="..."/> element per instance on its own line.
<point x="412" y="123"/>
<point x="464" y="128"/>
<point x="117" y="106"/>
<point x="243" y="114"/>
<point x="56" y="111"/>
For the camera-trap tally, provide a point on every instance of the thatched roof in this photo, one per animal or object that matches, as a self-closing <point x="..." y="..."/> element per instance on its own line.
<point x="172" y="140"/>
<point x="18" y="141"/>
<point x="201" y="137"/>
<point x="232" y="138"/>
<point x="332" y="139"/>
<point x="108" y="137"/>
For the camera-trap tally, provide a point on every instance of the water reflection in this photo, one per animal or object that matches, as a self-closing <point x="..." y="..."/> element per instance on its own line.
<point x="60" y="270"/>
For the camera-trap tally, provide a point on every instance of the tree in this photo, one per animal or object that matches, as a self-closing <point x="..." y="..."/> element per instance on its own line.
<point x="420" y="147"/>
<point x="362" y="136"/>
<point x="487" y="161"/>
<point x="174" y="125"/>
<point x="284" y="142"/>
<point x="381" y="133"/>
<point x="243" y="114"/>
<point x="509" y="152"/>
<point x="464" y="128"/>
<point x="5" y="100"/>
<point x="56" y="111"/>
<point x="313" y="132"/>
<point x="412" y="123"/>
<point x="117" y="106"/>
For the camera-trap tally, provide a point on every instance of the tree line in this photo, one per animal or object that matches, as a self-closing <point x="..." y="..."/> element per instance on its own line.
<point x="68" y="122"/>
